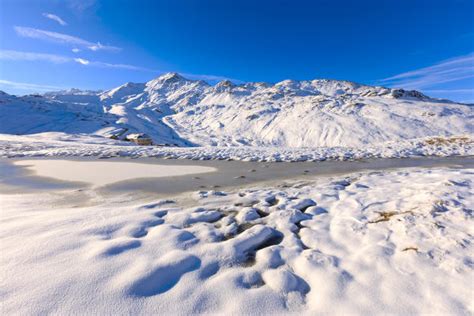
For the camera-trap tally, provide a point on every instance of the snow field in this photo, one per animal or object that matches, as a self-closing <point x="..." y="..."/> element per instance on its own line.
<point x="397" y="242"/>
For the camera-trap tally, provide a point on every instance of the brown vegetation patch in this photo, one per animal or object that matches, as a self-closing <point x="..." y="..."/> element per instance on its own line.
<point x="384" y="217"/>
<point x="438" y="141"/>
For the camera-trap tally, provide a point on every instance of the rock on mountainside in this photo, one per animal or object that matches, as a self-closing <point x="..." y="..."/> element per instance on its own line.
<point x="176" y="111"/>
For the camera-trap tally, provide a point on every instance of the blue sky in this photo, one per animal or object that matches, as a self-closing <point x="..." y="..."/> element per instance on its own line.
<point x="423" y="45"/>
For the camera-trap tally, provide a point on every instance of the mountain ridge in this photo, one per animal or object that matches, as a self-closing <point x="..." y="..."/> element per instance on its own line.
<point x="175" y="110"/>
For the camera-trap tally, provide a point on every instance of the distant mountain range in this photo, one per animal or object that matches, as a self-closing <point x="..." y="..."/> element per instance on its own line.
<point x="174" y="110"/>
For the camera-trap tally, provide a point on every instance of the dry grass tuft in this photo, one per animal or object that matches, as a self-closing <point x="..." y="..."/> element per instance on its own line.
<point x="386" y="216"/>
<point x="440" y="141"/>
<point x="383" y="217"/>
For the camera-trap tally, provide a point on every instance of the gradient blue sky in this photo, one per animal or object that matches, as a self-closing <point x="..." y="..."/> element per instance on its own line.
<point x="52" y="44"/>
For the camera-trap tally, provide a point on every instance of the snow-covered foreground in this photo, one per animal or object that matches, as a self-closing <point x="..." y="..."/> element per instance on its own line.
<point x="64" y="145"/>
<point x="378" y="242"/>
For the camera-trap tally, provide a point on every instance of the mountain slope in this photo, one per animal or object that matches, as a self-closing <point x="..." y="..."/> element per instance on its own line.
<point x="176" y="111"/>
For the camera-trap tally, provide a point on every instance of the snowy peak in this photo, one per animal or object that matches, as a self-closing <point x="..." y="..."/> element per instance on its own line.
<point x="292" y="84"/>
<point x="401" y="93"/>
<point x="175" y="86"/>
<point x="171" y="76"/>
<point x="171" y="79"/>
<point x="172" y="87"/>
<point x="126" y="90"/>
<point x="224" y="86"/>
<point x="225" y="83"/>
<point x="74" y="96"/>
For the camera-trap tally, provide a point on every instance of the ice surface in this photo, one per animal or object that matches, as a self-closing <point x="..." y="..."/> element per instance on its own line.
<point x="99" y="173"/>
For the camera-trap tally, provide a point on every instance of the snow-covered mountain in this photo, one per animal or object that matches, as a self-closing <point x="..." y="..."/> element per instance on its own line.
<point x="177" y="111"/>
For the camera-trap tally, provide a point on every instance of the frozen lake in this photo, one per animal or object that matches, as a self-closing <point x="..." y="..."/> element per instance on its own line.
<point x="165" y="176"/>
<point x="100" y="173"/>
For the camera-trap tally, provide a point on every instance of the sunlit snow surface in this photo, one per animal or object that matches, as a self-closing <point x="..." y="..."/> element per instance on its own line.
<point x="396" y="242"/>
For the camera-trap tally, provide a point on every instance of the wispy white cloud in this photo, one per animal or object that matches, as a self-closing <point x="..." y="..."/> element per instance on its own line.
<point x="54" y="17"/>
<point x="99" y="46"/>
<point x="7" y="84"/>
<point x="120" y="66"/>
<point x="449" y="90"/>
<point x="59" y="59"/>
<point x="75" y="50"/>
<point x="61" y="38"/>
<point x="80" y="6"/>
<point x="451" y="70"/>
<point x="29" y="56"/>
<point x="81" y="61"/>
